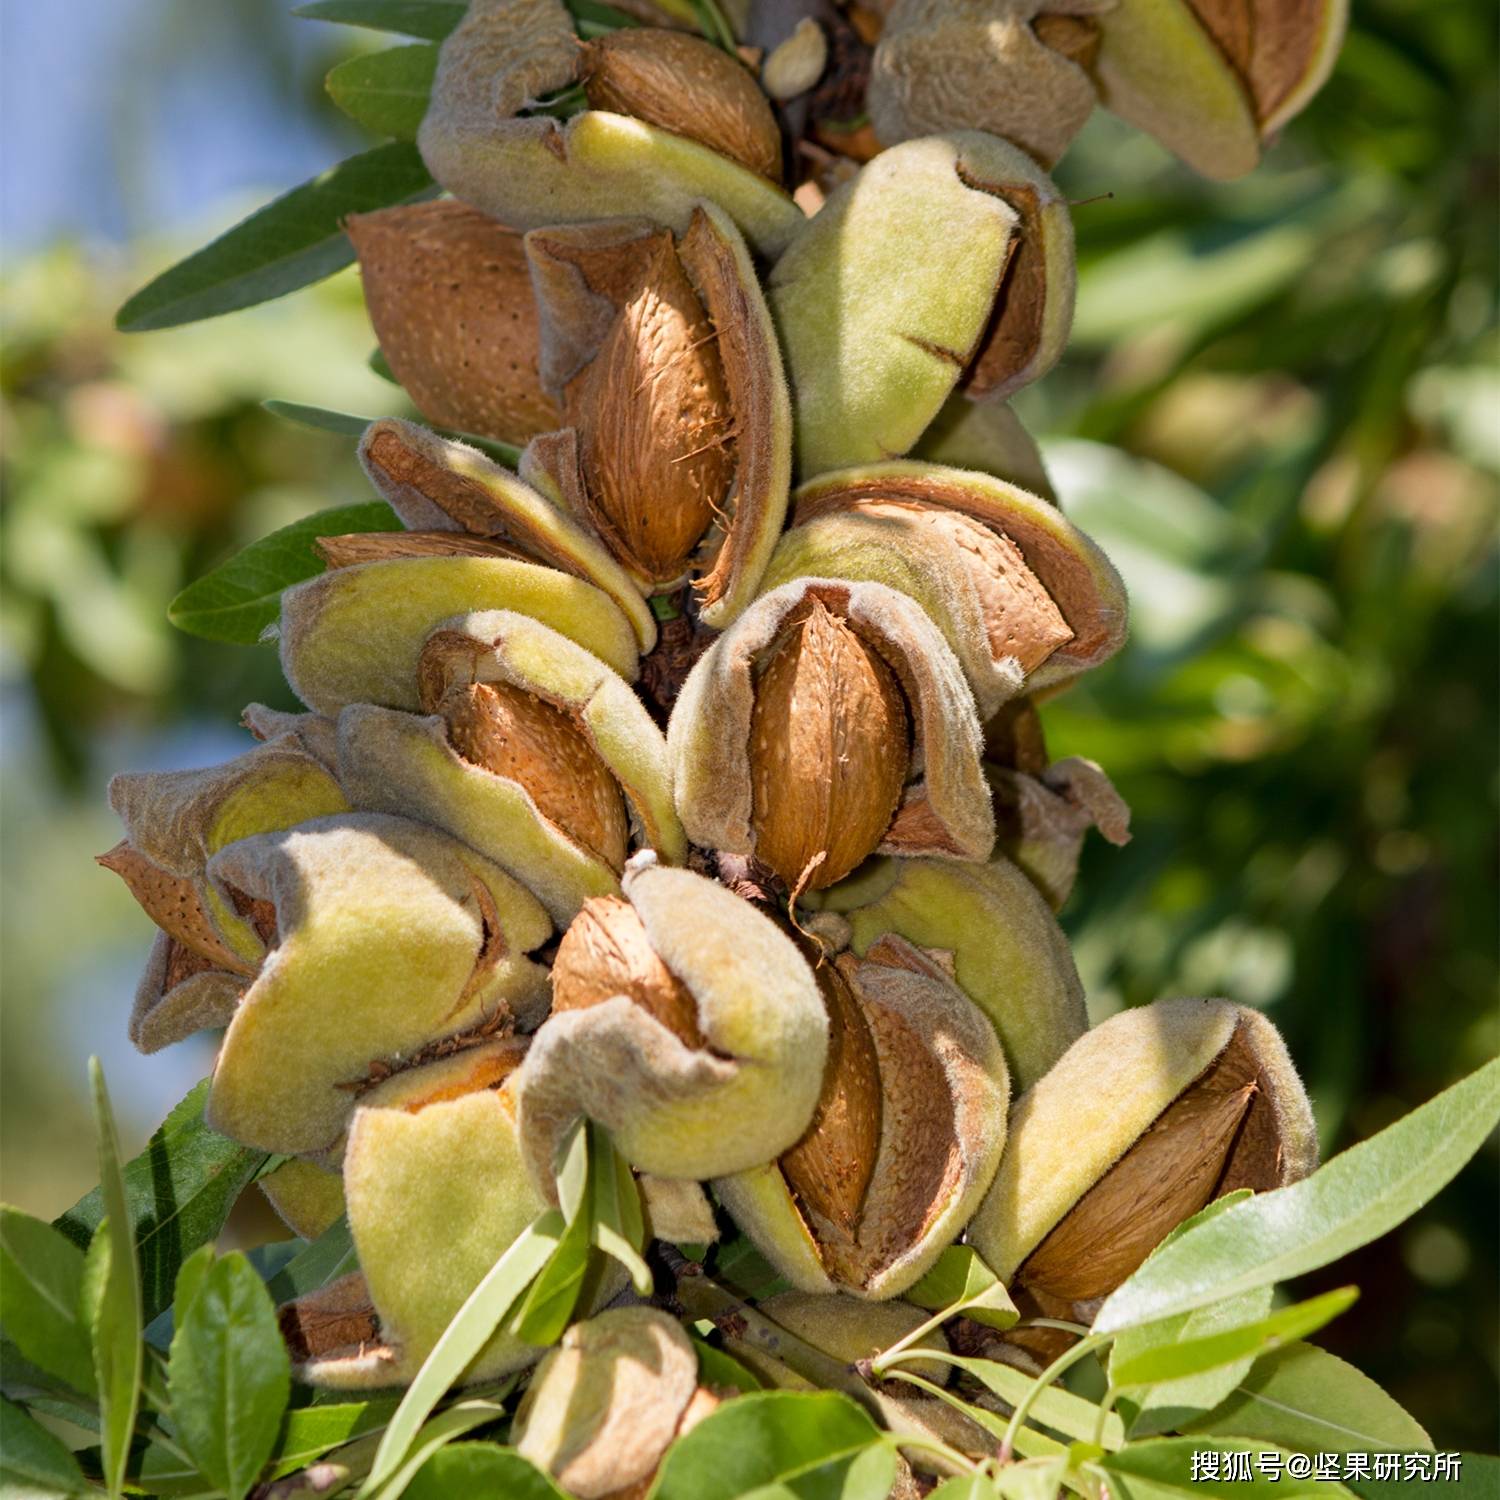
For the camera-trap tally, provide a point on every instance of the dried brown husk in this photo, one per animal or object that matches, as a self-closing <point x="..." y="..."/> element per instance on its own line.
<point x="449" y="297"/>
<point x="829" y="750"/>
<point x="1269" y="43"/>
<point x="687" y="85"/>
<point x="357" y="547"/>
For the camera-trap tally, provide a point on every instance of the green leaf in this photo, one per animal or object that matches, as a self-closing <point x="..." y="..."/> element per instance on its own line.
<point x="1304" y="1398"/>
<point x="321" y="419"/>
<point x="480" y="1469"/>
<point x="229" y="1376"/>
<point x="959" y="1281"/>
<point x="1165" y="1406"/>
<point x="1034" y="1479"/>
<point x="33" y="1463"/>
<point x="722" y="1371"/>
<point x="110" y="1298"/>
<point x="310" y="1431"/>
<point x="290" y="243"/>
<point x="41" y="1274"/>
<point x="619" y="1229"/>
<point x="1162" y="1469"/>
<point x="327" y="1258"/>
<point x="435" y="1435"/>
<point x="549" y="1303"/>
<point x="1355" y="1198"/>
<point x="241" y="597"/>
<point x="386" y="92"/>
<point x="763" y="1439"/>
<point x="1186" y="1357"/>
<point x="1054" y="1407"/>
<point x="430" y="19"/>
<point x="971" y="1487"/>
<point x="190" y="1280"/>
<point x="180" y="1190"/>
<point x="464" y="1337"/>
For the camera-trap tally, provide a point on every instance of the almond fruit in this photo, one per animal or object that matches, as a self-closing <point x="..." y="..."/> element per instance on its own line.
<point x="684" y="84"/>
<point x="514" y="734"/>
<point x="653" y="413"/>
<point x="829" y="751"/>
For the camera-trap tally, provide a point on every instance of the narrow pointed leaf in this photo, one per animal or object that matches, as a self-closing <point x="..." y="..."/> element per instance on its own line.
<point x="386" y="92"/>
<point x="1358" y="1196"/>
<point x="290" y="243"/>
<point x="310" y="1431"/>
<point x="241" y="597"/>
<point x="435" y="1435"/>
<point x="321" y="419"/>
<point x="179" y="1190"/>
<point x="1177" y="1360"/>
<point x="110" y="1298"/>
<point x="229" y="1376"/>
<point x="464" y="1337"/>
<point x="41" y="1274"/>
<point x="960" y="1282"/>
<point x="430" y="19"/>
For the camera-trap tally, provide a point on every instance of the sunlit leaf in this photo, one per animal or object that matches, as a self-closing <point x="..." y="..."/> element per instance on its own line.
<point x="229" y="1375"/>
<point x="1162" y="1469"/>
<point x="761" y="1440"/>
<point x="960" y="1281"/>
<point x="310" y="1431"/>
<point x="480" y="1469"/>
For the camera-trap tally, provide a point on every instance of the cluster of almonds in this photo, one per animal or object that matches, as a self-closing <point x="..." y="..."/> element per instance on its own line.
<point x="690" y="779"/>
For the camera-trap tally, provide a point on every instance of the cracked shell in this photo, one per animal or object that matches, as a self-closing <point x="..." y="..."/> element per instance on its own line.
<point x="544" y="791"/>
<point x="945" y="259"/>
<point x="528" y="171"/>
<point x="1145" y="1119"/>
<point x="1007" y="952"/>
<point x="662" y="354"/>
<point x="672" y="1108"/>
<point x="711" y="743"/>
<point x="943" y="1088"/>
<point x="390" y="936"/>
<point x="1025" y="599"/>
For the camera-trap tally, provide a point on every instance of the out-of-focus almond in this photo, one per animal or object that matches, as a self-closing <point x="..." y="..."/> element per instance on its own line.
<point x="684" y="84"/>
<point x="829" y="751"/>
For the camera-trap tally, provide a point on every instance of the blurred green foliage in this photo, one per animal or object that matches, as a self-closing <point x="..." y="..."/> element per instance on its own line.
<point x="1280" y="414"/>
